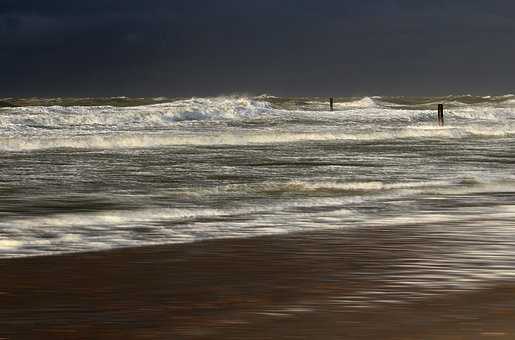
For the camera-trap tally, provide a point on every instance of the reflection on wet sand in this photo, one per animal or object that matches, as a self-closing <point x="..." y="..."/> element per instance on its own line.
<point x="372" y="282"/>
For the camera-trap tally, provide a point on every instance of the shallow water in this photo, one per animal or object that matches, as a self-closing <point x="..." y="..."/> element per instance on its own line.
<point x="82" y="178"/>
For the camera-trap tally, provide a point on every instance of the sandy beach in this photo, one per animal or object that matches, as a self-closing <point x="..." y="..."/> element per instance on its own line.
<point x="287" y="287"/>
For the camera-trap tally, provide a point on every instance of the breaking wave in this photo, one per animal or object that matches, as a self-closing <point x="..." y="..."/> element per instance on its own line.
<point x="152" y="140"/>
<point x="158" y="115"/>
<point x="236" y="121"/>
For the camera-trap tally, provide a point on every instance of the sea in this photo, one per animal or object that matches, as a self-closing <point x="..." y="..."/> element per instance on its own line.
<point x="93" y="174"/>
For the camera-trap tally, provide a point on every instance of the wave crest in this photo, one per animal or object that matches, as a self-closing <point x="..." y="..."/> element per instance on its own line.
<point x="134" y="140"/>
<point x="157" y="115"/>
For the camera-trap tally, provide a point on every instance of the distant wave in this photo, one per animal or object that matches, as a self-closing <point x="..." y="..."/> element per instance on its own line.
<point x="450" y="101"/>
<point x="164" y="114"/>
<point x="237" y="121"/>
<point x="226" y="109"/>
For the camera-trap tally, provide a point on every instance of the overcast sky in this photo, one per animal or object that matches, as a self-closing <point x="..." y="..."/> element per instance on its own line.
<point x="282" y="47"/>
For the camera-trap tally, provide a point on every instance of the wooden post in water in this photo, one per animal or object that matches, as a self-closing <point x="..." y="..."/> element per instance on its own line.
<point x="440" y="115"/>
<point x="331" y="103"/>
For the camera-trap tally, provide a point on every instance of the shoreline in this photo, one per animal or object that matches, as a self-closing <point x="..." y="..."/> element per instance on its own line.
<point x="268" y="287"/>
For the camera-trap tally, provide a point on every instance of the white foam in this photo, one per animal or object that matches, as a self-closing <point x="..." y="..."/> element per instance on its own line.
<point x="112" y="218"/>
<point x="370" y="186"/>
<point x="362" y="103"/>
<point x="80" y="231"/>
<point x="157" y="115"/>
<point x="105" y="230"/>
<point x="222" y="121"/>
<point x="266" y="96"/>
<point x="160" y="139"/>
<point x="10" y="244"/>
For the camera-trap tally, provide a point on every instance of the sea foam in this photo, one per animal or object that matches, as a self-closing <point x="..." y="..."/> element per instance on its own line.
<point x="240" y="138"/>
<point x="236" y="121"/>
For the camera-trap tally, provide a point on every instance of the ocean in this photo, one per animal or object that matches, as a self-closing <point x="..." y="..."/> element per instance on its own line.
<point x="82" y="175"/>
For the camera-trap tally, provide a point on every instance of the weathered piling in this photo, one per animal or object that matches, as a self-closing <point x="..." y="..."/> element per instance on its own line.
<point x="331" y="103"/>
<point x="440" y="115"/>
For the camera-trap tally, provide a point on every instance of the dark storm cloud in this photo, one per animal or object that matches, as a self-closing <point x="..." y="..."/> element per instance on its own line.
<point x="202" y="47"/>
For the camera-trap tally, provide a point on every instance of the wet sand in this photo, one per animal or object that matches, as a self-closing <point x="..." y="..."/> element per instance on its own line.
<point x="295" y="286"/>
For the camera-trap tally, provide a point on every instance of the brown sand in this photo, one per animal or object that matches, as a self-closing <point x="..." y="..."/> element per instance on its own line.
<point x="276" y="287"/>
